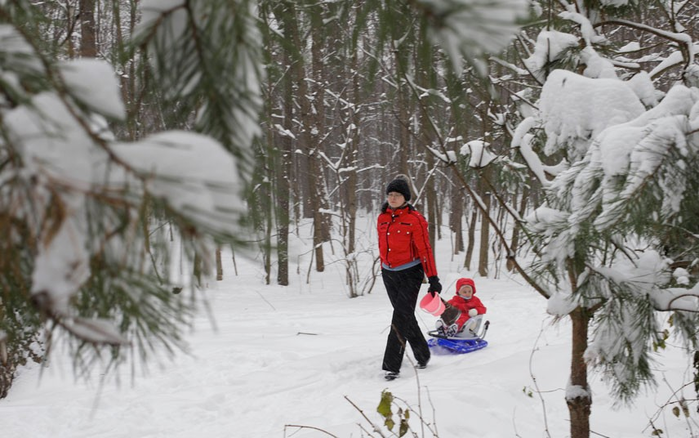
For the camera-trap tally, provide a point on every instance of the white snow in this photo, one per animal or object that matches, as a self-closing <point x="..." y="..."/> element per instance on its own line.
<point x="298" y="355"/>
<point x="642" y="85"/>
<point x="192" y="172"/>
<point x="577" y="109"/>
<point x="18" y="53"/>
<point x="522" y="139"/>
<point x="596" y="65"/>
<point x="61" y="266"/>
<point x="302" y="355"/>
<point x="586" y="29"/>
<point x="550" y="45"/>
<point x="479" y="154"/>
<point x="51" y="141"/>
<point x="94" y="83"/>
<point x="57" y="155"/>
<point x="677" y="298"/>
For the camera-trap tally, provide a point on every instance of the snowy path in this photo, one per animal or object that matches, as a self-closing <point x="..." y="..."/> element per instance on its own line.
<point x="290" y="356"/>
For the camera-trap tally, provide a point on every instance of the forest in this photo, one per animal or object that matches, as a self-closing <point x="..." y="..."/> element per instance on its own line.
<point x="561" y="136"/>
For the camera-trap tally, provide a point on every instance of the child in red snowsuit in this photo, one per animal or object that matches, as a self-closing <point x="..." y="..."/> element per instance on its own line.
<point x="461" y="308"/>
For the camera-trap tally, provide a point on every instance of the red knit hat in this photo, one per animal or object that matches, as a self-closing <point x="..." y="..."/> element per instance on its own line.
<point x="465" y="281"/>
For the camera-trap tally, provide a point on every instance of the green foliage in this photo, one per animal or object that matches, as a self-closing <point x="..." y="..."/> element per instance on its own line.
<point x="204" y="66"/>
<point x="385" y="410"/>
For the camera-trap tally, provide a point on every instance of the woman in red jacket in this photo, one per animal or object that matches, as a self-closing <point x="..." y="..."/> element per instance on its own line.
<point x="406" y="257"/>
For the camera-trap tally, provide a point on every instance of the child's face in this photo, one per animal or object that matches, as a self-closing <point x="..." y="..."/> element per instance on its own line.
<point x="466" y="291"/>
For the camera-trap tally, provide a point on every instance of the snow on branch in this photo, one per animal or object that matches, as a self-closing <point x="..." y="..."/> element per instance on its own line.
<point x="479" y="153"/>
<point x="523" y="140"/>
<point x="79" y="193"/>
<point x="94" y="84"/>
<point x="185" y="42"/>
<point x="192" y="173"/>
<point x="682" y="39"/>
<point x="644" y="149"/>
<point x="675" y="298"/>
<point x="576" y="109"/>
<point x="471" y="28"/>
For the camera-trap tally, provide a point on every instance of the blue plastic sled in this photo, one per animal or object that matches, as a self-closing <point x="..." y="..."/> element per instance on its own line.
<point x="460" y="344"/>
<point x="455" y="346"/>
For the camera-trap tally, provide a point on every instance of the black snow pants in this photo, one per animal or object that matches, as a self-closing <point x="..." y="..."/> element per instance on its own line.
<point x="403" y="288"/>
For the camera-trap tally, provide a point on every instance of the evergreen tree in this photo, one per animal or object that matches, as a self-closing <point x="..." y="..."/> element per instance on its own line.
<point x="613" y="237"/>
<point x="93" y="226"/>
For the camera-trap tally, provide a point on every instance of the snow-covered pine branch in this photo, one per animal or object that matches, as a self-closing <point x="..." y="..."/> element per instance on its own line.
<point x="78" y="206"/>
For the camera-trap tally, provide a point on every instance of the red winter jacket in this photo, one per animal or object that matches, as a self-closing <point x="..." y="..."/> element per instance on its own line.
<point x="403" y="238"/>
<point x="465" y="305"/>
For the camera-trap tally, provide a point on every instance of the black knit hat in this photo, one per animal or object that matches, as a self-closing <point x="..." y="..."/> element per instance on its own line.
<point x="400" y="185"/>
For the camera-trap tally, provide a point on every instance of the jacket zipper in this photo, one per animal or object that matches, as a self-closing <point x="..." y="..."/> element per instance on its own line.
<point x="388" y="249"/>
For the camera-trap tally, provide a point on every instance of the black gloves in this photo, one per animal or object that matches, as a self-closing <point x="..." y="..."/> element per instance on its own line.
<point x="435" y="286"/>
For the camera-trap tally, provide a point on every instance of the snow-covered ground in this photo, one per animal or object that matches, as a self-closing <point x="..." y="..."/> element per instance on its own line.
<point x="281" y="357"/>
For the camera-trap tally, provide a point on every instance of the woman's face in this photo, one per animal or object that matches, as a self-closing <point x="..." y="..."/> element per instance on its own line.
<point x="395" y="199"/>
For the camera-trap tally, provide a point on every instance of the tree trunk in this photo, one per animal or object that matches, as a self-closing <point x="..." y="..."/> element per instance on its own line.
<point x="516" y="229"/>
<point x="8" y="364"/>
<point x="484" y="247"/>
<point x="7" y="374"/>
<point x="262" y="180"/>
<point x="133" y="103"/>
<point x="430" y="200"/>
<point x="456" y="220"/>
<point x="471" y="239"/>
<point x="88" y="33"/>
<point x="402" y="103"/>
<point x="433" y="209"/>
<point x="283" y="191"/>
<point x="579" y="402"/>
<point x="219" y="265"/>
<point x="313" y="122"/>
<point x="196" y="270"/>
<point x="286" y="14"/>
<point x="353" y="156"/>
<point x="437" y="206"/>
<point x="266" y="196"/>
